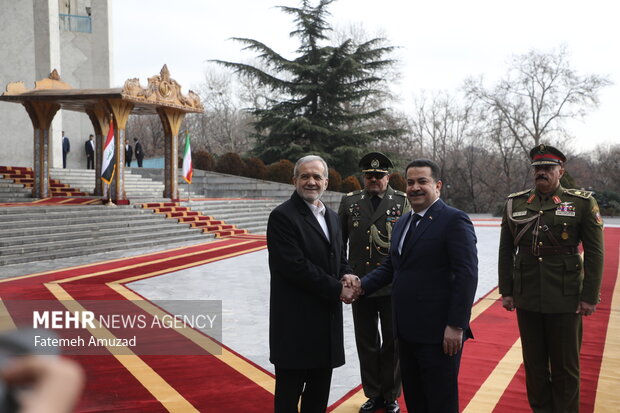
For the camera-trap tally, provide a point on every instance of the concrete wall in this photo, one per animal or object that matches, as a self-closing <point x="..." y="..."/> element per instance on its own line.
<point x="36" y="46"/>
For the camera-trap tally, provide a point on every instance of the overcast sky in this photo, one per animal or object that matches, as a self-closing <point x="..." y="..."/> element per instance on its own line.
<point x="442" y="42"/>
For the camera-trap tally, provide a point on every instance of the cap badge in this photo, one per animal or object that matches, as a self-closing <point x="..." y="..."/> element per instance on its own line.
<point x="374" y="163"/>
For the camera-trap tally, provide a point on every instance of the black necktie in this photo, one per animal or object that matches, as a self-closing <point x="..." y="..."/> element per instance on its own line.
<point x="375" y="201"/>
<point x="414" y="219"/>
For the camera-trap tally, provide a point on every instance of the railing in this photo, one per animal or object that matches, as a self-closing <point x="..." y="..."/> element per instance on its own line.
<point x="73" y="23"/>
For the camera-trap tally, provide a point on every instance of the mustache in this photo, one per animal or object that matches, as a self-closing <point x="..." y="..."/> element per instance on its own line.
<point x="541" y="177"/>
<point x="415" y="193"/>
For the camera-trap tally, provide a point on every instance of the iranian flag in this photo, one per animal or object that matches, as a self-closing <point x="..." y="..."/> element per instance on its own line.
<point x="108" y="164"/>
<point x="187" y="161"/>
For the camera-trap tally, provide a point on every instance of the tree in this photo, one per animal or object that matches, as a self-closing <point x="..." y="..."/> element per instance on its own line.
<point x="318" y="89"/>
<point x="223" y="126"/>
<point x="539" y="91"/>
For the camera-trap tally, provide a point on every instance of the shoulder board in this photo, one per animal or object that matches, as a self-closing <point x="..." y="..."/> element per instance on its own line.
<point x="359" y="191"/>
<point x="516" y="194"/>
<point x="400" y="193"/>
<point x="579" y="193"/>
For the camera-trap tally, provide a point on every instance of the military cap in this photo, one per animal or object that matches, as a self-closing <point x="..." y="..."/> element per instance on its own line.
<point x="546" y="155"/>
<point x="375" y="162"/>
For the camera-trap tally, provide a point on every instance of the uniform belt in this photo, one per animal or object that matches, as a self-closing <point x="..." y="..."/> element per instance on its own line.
<point x="545" y="251"/>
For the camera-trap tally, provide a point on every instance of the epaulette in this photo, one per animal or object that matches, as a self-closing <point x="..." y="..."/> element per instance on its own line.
<point x="516" y="194"/>
<point x="359" y="191"/>
<point x="400" y="193"/>
<point x="579" y="193"/>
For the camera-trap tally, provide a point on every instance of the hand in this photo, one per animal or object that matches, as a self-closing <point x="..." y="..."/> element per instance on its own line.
<point x="508" y="303"/>
<point x="585" y="308"/>
<point x="55" y="383"/>
<point x="348" y="294"/>
<point x="352" y="281"/>
<point x="452" y="340"/>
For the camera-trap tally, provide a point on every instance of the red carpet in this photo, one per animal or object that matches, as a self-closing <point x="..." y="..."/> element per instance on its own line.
<point x="210" y="383"/>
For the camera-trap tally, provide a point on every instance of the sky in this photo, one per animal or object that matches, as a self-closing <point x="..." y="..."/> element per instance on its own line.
<point x="441" y="42"/>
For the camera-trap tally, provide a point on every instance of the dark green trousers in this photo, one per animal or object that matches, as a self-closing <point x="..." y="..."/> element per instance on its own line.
<point x="378" y="354"/>
<point x="551" y="345"/>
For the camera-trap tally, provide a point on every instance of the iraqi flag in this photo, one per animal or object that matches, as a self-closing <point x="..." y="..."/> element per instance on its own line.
<point x="188" y="171"/>
<point x="108" y="164"/>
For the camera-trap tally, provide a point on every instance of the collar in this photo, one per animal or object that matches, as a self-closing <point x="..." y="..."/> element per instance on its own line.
<point x="424" y="211"/>
<point x="316" y="210"/>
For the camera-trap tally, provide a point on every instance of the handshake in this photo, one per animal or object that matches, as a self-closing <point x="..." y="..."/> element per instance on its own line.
<point x="351" y="288"/>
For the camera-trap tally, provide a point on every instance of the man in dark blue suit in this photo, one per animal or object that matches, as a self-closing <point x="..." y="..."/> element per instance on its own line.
<point x="433" y="268"/>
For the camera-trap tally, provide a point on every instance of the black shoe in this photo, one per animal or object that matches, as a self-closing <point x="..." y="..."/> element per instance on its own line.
<point x="371" y="405"/>
<point x="392" y="407"/>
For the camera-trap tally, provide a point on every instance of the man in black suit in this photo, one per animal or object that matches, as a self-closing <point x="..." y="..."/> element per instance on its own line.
<point x="89" y="147"/>
<point x="128" y="153"/>
<point x="306" y="262"/>
<point x="137" y="148"/>
<point x="66" y="148"/>
<point x="433" y="267"/>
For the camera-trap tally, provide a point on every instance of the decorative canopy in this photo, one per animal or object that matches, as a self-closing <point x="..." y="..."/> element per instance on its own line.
<point x="161" y="91"/>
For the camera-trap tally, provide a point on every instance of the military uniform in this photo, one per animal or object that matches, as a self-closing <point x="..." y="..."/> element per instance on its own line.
<point x="368" y="231"/>
<point x="540" y="267"/>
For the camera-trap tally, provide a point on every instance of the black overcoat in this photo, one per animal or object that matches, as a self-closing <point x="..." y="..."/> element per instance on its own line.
<point x="305" y="312"/>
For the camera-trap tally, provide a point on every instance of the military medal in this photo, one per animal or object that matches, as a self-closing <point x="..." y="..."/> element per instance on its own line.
<point x="564" y="233"/>
<point x="356" y="224"/>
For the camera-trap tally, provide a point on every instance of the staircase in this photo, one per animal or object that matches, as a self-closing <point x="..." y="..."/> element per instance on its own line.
<point x="249" y="214"/>
<point x="19" y="181"/>
<point x="47" y="232"/>
<point x="184" y="214"/>
<point x="137" y="188"/>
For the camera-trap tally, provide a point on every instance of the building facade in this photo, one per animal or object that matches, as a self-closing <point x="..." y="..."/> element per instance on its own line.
<point x="71" y="36"/>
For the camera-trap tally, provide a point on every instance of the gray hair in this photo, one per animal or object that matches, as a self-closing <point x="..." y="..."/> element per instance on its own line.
<point x="311" y="158"/>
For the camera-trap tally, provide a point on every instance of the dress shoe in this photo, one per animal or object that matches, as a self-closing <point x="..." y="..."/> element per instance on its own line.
<point x="371" y="405"/>
<point x="392" y="407"/>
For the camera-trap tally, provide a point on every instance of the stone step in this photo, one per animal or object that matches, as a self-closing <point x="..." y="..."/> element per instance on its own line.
<point x="43" y="226"/>
<point x="47" y="234"/>
<point x="99" y="248"/>
<point x="93" y="242"/>
<point x="59" y="212"/>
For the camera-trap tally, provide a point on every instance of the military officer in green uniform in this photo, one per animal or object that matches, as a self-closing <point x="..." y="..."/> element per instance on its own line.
<point x="367" y="217"/>
<point x="542" y="275"/>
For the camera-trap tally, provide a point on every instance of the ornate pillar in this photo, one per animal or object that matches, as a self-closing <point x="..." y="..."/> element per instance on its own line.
<point x="41" y="114"/>
<point x="100" y="118"/>
<point x="171" y="119"/>
<point x="120" y="110"/>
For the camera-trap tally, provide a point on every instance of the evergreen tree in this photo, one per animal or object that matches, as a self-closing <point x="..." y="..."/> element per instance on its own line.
<point x="318" y="90"/>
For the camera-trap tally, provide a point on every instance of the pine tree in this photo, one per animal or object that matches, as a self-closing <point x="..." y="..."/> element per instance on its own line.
<point x="317" y="90"/>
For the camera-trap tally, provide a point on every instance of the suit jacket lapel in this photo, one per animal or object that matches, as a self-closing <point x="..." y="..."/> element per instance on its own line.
<point x="305" y="211"/>
<point x="426" y="221"/>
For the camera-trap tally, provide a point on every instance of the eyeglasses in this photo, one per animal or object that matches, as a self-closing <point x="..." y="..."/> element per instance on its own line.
<point x="376" y="175"/>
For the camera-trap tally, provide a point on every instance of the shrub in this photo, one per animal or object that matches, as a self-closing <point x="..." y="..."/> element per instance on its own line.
<point x="230" y="163"/>
<point x="255" y="168"/>
<point x="398" y="182"/>
<point x="335" y="180"/>
<point x="281" y="171"/>
<point x="350" y="184"/>
<point x="202" y="160"/>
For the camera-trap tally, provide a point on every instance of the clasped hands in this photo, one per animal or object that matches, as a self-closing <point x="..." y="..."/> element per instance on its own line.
<point x="351" y="288"/>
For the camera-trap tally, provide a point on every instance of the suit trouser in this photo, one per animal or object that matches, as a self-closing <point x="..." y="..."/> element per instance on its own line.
<point x="311" y="385"/>
<point x="64" y="159"/>
<point x="90" y="161"/>
<point x="430" y="378"/>
<point x="379" y="367"/>
<point x="551" y="344"/>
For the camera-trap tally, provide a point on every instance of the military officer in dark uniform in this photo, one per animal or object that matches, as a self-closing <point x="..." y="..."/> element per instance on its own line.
<point x="367" y="217"/>
<point x="542" y="275"/>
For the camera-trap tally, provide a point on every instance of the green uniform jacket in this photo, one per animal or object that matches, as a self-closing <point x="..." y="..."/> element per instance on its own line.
<point x="551" y="283"/>
<point x="369" y="231"/>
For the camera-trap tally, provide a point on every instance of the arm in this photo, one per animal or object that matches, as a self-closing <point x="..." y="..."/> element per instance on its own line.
<point x="505" y="264"/>
<point x="463" y="257"/>
<point x="288" y="260"/>
<point x="593" y="253"/>
<point x="343" y="219"/>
